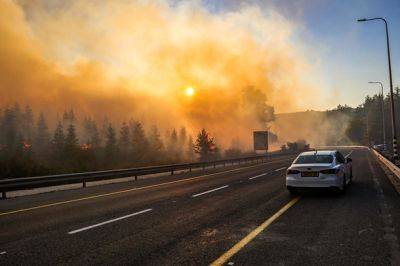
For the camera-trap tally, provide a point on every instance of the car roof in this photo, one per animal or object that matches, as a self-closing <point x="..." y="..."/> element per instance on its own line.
<point x="325" y="152"/>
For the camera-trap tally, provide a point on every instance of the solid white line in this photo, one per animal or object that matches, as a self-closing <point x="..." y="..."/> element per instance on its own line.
<point x="257" y="176"/>
<point x="279" y="169"/>
<point x="109" y="221"/>
<point x="209" y="191"/>
<point x="2" y="253"/>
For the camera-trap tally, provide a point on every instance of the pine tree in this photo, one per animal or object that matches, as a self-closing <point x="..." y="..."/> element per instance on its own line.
<point x="139" y="141"/>
<point x="71" y="146"/>
<point x="95" y="137"/>
<point x="104" y="129"/>
<point x="124" y="142"/>
<point x="18" y="118"/>
<point x="205" y="146"/>
<point x="156" y="145"/>
<point x="71" y="116"/>
<point x="27" y="125"/>
<point x="111" y="145"/>
<point x="41" y="142"/>
<point x="58" y="142"/>
<point x="87" y="128"/>
<point x="91" y="134"/>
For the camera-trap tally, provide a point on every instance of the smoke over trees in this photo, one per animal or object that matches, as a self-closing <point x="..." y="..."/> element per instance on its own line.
<point x="240" y="64"/>
<point x="29" y="146"/>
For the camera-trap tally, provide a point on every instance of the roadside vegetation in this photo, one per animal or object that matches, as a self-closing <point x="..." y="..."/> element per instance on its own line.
<point x="29" y="147"/>
<point x="365" y="125"/>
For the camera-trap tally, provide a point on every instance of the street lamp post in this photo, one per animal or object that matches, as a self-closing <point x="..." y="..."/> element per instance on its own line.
<point x="383" y="113"/>
<point x="395" y="155"/>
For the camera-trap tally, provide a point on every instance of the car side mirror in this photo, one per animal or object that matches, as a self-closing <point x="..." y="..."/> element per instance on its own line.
<point x="348" y="160"/>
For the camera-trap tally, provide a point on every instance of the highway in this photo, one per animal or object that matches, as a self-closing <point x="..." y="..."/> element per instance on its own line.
<point x="234" y="216"/>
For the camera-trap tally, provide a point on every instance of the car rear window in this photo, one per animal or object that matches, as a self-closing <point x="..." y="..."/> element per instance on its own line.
<point x="302" y="159"/>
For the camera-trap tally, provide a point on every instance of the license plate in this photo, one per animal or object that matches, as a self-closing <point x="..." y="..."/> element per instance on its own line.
<point x="310" y="174"/>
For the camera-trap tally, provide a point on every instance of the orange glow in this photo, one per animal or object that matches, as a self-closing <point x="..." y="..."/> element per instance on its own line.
<point x="86" y="146"/>
<point x="190" y="91"/>
<point x="27" y="146"/>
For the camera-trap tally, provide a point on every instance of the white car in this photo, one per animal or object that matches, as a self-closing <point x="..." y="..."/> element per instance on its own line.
<point x="319" y="169"/>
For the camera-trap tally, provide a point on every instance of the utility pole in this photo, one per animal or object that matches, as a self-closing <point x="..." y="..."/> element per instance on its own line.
<point x="394" y="133"/>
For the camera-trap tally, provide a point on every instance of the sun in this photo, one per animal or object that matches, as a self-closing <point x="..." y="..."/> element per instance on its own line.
<point x="189" y="91"/>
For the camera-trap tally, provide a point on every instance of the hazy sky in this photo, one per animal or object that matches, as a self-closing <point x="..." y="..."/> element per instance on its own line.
<point x="302" y="54"/>
<point x="348" y="54"/>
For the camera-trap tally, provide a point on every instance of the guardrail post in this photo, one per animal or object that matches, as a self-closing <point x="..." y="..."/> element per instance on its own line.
<point x="172" y="172"/>
<point x="214" y="165"/>
<point x="3" y="195"/>
<point x="190" y="169"/>
<point x="135" y="177"/>
<point x="84" y="184"/>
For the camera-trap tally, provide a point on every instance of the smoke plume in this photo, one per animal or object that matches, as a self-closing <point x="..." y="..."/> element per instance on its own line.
<point x="135" y="59"/>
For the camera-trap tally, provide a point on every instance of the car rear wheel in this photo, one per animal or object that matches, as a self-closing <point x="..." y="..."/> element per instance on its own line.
<point x="344" y="186"/>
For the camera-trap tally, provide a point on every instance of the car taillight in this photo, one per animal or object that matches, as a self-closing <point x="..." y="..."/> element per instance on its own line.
<point x="292" y="172"/>
<point x="330" y="171"/>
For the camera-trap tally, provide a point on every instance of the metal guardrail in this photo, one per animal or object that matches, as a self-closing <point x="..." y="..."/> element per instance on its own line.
<point x="390" y="165"/>
<point x="14" y="184"/>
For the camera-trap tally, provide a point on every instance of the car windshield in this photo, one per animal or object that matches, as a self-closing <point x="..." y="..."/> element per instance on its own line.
<point x="303" y="159"/>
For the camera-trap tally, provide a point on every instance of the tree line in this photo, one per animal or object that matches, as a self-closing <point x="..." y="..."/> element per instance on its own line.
<point x="29" y="147"/>
<point x="365" y="122"/>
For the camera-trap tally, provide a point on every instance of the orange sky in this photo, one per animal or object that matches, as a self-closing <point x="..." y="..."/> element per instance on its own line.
<point x="136" y="60"/>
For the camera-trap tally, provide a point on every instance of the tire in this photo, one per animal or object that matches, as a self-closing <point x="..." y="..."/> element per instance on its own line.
<point x="344" y="186"/>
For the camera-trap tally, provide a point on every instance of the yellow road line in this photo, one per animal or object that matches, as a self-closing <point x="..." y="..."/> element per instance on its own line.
<point x="127" y="190"/>
<point x="236" y="248"/>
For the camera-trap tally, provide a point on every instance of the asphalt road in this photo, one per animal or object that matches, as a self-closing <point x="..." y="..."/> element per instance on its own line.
<point x="193" y="219"/>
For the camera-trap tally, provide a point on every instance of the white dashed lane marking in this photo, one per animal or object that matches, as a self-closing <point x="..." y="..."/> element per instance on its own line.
<point x="107" y="222"/>
<point x="280" y="169"/>
<point x="257" y="176"/>
<point x="209" y="191"/>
